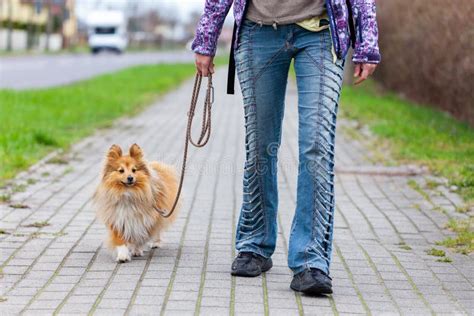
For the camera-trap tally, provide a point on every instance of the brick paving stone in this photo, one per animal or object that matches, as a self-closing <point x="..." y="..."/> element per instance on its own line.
<point x="70" y="308"/>
<point x="215" y="301"/>
<point x="145" y="310"/>
<point x="48" y="304"/>
<point x="110" y="311"/>
<point x="152" y="291"/>
<point x="382" y="230"/>
<point x="82" y="299"/>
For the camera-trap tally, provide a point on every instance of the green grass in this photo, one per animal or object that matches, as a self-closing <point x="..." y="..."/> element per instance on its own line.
<point x="419" y="134"/>
<point x="19" y="206"/>
<point x="404" y="246"/>
<point x="416" y="133"/>
<point x="436" y="252"/>
<point x="462" y="209"/>
<point x="464" y="240"/>
<point x="38" y="224"/>
<point x="445" y="259"/>
<point x="35" y="122"/>
<point x="415" y="186"/>
<point x="439" y="253"/>
<point x="4" y="197"/>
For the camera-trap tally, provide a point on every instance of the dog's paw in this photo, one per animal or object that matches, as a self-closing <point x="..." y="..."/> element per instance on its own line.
<point x="137" y="252"/>
<point x="123" y="255"/>
<point x="154" y="244"/>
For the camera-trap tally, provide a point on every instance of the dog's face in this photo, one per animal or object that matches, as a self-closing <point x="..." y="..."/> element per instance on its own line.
<point x="126" y="171"/>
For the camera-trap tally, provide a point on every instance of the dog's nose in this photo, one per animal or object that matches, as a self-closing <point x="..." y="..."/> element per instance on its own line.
<point x="130" y="179"/>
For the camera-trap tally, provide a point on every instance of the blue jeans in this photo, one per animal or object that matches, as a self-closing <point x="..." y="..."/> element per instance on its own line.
<point x="263" y="60"/>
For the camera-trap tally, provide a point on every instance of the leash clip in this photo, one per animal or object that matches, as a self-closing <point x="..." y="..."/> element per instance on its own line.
<point x="211" y="94"/>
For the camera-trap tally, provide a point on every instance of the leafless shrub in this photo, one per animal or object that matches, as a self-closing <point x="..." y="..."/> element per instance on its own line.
<point x="428" y="52"/>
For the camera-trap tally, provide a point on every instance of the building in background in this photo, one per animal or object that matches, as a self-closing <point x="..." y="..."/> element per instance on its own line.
<point x="51" y="25"/>
<point x="37" y="24"/>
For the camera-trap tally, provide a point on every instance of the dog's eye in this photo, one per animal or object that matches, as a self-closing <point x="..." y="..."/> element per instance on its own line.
<point x="121" y="170"/>
<point x="134" y="170"/>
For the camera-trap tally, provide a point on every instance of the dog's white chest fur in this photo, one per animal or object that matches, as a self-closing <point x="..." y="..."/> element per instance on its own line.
<point x="134" y="224"/>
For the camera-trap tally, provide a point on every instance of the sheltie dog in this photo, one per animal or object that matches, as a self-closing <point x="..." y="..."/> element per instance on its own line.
<point x="129" y="198"/>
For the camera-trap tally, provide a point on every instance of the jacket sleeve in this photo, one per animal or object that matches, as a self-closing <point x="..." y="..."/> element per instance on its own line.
<point x="210" y="26"/>
<point x="366" y="49"/>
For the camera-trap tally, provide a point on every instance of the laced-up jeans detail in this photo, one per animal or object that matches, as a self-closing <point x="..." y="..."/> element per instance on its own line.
<point x="263" y="59"/>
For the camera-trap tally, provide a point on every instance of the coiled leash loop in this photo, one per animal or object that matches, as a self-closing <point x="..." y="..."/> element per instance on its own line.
<point x="205" y="131"/>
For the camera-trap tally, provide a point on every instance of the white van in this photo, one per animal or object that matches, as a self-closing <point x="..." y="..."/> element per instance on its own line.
<point x="107" y="31"/>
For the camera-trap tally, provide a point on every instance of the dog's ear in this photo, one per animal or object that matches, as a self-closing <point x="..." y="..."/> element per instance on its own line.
<point x="136" y="152"/>
<point x="115" y="152"/>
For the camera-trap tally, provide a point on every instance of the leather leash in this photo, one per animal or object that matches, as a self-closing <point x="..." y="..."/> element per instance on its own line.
<point x="203" y="137"/>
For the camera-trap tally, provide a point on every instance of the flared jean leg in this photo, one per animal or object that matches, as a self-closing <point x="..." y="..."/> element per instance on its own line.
<point x="319" y="81"/>
<point x="262" y="62"/>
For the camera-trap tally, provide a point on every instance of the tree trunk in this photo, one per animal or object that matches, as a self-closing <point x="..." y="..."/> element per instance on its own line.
<point x="10" y="25"/>
<point x="30" y="32"/>
<point x="49" y="25"/>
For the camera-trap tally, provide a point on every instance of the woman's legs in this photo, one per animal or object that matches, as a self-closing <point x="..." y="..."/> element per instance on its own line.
<point x="262" y="61"/>
<point x="319" y="82"/>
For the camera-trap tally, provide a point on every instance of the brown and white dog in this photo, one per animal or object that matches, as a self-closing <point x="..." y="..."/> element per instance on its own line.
<point x="128" y="198"/>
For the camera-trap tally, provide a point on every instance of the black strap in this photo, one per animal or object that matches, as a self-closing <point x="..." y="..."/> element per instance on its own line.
<point x="351" y="23"/>
<point x="231" y="71"/>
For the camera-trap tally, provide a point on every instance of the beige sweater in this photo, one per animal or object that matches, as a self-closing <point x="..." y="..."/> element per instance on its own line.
<point x="283" y="11"/>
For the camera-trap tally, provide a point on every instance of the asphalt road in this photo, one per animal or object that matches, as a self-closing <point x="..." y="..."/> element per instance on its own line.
<point x="27" y="72"/>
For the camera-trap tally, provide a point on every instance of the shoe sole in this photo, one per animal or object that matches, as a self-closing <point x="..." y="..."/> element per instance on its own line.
<point x="314" y="290"/>
<point x="252" y="274"/>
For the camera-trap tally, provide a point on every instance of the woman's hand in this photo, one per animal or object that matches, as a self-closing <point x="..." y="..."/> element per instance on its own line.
<point x="363" y="71"/>
<point x="204" y="64"/>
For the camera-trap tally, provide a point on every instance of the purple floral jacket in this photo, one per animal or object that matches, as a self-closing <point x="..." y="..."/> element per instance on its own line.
<point x="364" y="39"/>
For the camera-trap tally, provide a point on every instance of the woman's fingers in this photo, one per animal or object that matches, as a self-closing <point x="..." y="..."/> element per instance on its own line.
<point x="357" y="69"/>
<point x="198" y="68"/>
<point x="204" y="70"/>
<point x="204" y="65"/>
<point x="363" y="71"/>
<point x="363" y="76"/>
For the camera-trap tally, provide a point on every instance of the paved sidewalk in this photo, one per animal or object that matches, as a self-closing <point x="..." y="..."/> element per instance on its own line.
<point x="383" y="229"/>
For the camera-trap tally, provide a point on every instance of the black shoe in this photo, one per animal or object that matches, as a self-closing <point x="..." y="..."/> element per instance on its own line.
<point x="312" y="282"/>
<point x="249" y="264"/>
